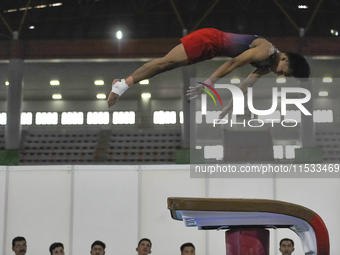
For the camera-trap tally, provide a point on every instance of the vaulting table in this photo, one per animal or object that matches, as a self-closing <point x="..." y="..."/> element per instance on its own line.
<point x="247" y="221"/>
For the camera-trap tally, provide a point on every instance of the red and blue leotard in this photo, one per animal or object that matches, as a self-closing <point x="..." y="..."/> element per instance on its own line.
<point x="207" y="43"/>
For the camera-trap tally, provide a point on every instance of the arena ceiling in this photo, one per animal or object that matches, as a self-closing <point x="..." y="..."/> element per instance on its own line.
<point x="141" y="19"/>
<point x="100" y="19"/>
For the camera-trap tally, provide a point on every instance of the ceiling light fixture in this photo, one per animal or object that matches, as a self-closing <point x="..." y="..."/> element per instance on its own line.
<point x="235" y="81"/>
<point x="101" y="96"/>
<point x="99" y="82"/>
<point x="323" y="93"/>
<point x="146" y="95"/>
<point x="144" y="82"/>
<point x="54" y="83"/>
<point x="327" y="80"/>
<point x="281" y="80"/>
<point x="119" y="35"/>
<point x="57" y="96"/>
<point x="334" y="32"/>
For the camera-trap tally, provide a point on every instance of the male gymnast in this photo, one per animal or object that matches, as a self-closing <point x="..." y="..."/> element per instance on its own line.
<point x="19" y="245"/>
<point x="144" y="246"/>
<point x="57" y="249"/>
<point x="286" y="246"/>
<point x="208" y="43"/>
<point x="187" y="249"/>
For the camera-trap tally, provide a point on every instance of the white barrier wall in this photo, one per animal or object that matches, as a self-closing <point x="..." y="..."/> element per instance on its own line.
<point x="159" y="183"/>
<point x="3" y="207"/>
<point x="77" y="205"/>
<point x="39" y="203"/>
<point x="105" y="208"/>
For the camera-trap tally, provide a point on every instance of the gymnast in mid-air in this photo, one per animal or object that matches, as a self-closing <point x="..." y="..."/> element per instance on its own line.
<point x="207" y="43"/>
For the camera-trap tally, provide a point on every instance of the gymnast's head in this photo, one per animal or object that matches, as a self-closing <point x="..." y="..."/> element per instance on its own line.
<point x="144" y="246"/>
<point x="19" y="245"/>
<point x="98" y="248"/>
<point x="293" y="64"/>
<point x="187" y="249"/>
<point x="286" y="246"/>
<point x="57" y="249"/>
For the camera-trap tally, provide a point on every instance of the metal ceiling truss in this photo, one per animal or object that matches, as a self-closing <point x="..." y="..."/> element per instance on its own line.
<point x="291" y="20"/>
<point x="205" y="15"/>
<point x="191" y="15"/>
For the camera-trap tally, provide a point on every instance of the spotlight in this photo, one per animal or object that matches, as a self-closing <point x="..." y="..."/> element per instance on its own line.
<point x="57" y="96"/>
<point x="327" y="80"/>
<point x="146" y="95"/>
<point x="55" y="4"/>
<point x="144" y="82"/>
<point x="54" y="83"/>
<point x="101" y="96"/>
<point x="235" y="81"/>
<point x="281" y="80"/>
<point x="334" y="32"/>
<point x="119" y="35"/>
<point x="323" y="93"/>
<point x="99" y="82"/>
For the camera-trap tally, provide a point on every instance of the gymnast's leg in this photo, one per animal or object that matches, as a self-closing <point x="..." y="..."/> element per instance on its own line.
<point x="175" y="58"/>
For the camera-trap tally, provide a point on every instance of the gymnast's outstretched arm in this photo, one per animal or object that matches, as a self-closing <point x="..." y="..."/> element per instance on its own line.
<point x="249" y="82"/>
<point x="252" y="55"/>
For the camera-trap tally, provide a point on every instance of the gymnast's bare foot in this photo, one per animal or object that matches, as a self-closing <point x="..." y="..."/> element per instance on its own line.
<point x="113" y="98"/>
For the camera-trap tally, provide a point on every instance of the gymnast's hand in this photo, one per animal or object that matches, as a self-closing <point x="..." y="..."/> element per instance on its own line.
<point x="194" y="92"/>
<point x="224" y="112"/>
<point x="113" y="97"/>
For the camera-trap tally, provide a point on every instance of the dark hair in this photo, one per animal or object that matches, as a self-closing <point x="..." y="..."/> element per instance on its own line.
<point x="98" y="243"/>
<point x="287" y="239"/>
<point x="298" y="64"/>
<point x="144" y="239"/>
<point x="18" y="239"/>
<point x="55" y="245"/>
<point x="187" y="245"/>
